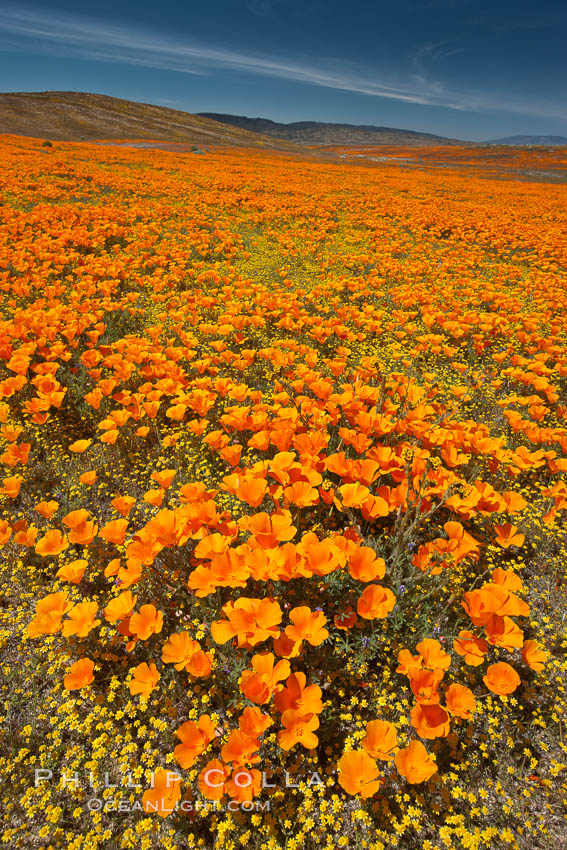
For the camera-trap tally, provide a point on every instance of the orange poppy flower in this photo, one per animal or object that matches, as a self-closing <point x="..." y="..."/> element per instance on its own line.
<point x="269" y="530"/>
<point x="165" y="794"/>
<point x="46" y="509"/>
<point x="164" y="477"/>
<point x="507" y="535"/>
<point x="148" y="621"/>
<point x="216" y="439"/>
<point x="151" y="408"/>
<point x="376" y="602"/>
<point x="114" y="531"/>
<point x="491" y="599"/>
<point x="503" y="631"/>
<point x="244" y="784"/>
<point x="11" y="486"/>
<point x="75" y="519"/>
<point x="193" y="492"/>
<point x="144" y="680"/>
<point x="88" y="478"/>
<point x="321" y="556"/>
<point x="352" y="495"/>
<point x="280" y="466"/>
<point x="507" y="578"/>
<point x="168" y="527"/>
<point x="240" y="749"/>
<point x="123" y="504"/>
<point x="84" y="533"/>
<point x="212" y="780"/>
<point x="5" y="532"/>
<point x="302" y="494"/>
<point x="460" y="701"/>
<point x="472" y="648"/>
<point x="112" y="568"/>
<point x="211" y="545"/>
<point x="359" y="774"/>
<point x="258" y="684"/>
<point x="514" y="502"/>
<point x="176" y="412"/>
<point x="504" y="602"/>
<point x="501" y="679"/>
<point x="424" y="684"/>
<point x="94" y="398"/>
<point x="254" y="722"/>
<point x="415" y="763"/>
<point x="430" y="721"/>
<point x="255" y="620"/>
<point x="285" y="647"/>
<point x="26" y="536"/>
<point x="49" y="612"/>
<point x="408" y="662"/>
<point x="251" y="491"/>
<point x="381" y="741"/>
<point x="179" y="649"/>
<point x="80" y="675"/>
<point x="10" y="432"/>
<point x="129" y="575"/>
<point x="364" y="565"/>
<point x="297" y="695"/>
<point x="299" y="729"/>
<point x="200" y="664"/>
<point x="307" y="625"/>
<point x="16" y="454"/>
<point x="80" y="446"/>
<point x="374" y="507"/>
<point x="121" y="607"/>
<point x="143" y="547"/>
<point x="52" y="543"/>
<point x="109" y="436"/>
<point x="534" y="655"/>
<point x="433" y="655"/>
<point x="195" y="737"/>
<point x="202" y="582"/>
<point x="231" y="454"/>
<point x="81" y="619"/>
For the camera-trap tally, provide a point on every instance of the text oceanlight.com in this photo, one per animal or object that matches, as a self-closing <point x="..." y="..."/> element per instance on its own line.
<point x="126" y="806"/>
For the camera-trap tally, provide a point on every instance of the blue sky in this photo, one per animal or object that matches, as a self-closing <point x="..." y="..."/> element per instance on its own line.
<point x="468" y="69"/>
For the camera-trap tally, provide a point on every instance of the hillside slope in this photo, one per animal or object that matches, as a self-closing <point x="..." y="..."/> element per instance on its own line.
<point x="79" y="116"/>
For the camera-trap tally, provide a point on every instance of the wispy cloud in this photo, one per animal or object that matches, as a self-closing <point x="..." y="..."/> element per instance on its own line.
<point x="104" y="41"/>
<point x="99" y="40"/>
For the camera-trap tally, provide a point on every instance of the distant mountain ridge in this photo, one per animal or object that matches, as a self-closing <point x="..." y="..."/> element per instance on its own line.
<point x="547" y="141"/>
<point x="321" y="133"/>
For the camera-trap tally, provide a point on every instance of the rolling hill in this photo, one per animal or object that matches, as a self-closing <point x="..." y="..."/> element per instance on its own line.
<point x="319" y="133"/>
<point x="79" y="116"/>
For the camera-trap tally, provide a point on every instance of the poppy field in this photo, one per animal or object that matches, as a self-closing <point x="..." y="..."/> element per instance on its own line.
<point x="283" y="490"/>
